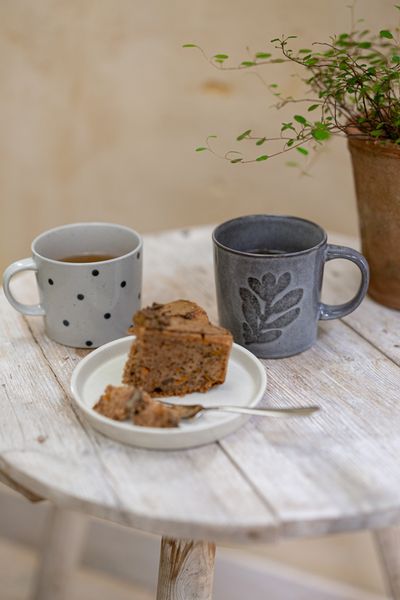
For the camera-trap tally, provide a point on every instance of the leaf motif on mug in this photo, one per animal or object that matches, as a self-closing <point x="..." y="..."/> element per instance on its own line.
<point x="248" y="334"/>
<point x="269" y="336"/>
<point x="251" y="308"/>
<point x="290" y="299"/>
<point x="263" y="301"/>
<point x="284" y="320"/>
<point x="255" y="285"/>
<point x="268" y="282"/>
<point x="283" y="283"/>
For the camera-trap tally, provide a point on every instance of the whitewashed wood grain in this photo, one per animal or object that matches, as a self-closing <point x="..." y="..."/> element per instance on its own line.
<point x="133" y="556"/>
<point x="18" y="488"/>
<point x="335" y="471"/>
<point x="328" y="472"/>
<point x="47" y="448"/>
<point x="186" y="570"/>
<point x="376" y="323"/>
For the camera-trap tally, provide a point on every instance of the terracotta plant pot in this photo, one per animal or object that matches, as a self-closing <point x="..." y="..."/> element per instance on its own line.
<point x="376" y="168"/>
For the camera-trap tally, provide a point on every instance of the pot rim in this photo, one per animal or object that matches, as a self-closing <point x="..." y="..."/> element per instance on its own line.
<point x="371" y="146"/>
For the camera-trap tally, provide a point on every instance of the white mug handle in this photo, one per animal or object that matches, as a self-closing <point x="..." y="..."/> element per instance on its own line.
<point x="26" y="264"/>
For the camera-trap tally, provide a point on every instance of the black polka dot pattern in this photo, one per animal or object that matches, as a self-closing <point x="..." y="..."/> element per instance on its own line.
<point x="86" y="295"/>
<point x="138" y="255"/>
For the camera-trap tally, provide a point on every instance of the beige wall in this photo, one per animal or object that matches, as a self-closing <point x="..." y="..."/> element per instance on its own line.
<point x="100" y="109"/>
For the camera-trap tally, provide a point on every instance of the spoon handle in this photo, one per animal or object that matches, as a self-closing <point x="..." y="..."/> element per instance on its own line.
<point x="267" y="412"/>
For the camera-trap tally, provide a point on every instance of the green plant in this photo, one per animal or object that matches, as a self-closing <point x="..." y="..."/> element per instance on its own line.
<point x="354" y="86"/>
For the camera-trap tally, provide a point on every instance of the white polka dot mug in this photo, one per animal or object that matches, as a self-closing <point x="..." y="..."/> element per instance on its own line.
<point x="84" y="304"/>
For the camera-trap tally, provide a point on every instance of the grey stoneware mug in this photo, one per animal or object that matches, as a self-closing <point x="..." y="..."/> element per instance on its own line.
<point x="268" y="274"/>
<point x="89" y="277"/>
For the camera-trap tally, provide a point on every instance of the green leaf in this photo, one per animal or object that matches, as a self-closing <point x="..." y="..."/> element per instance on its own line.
<point x="396" y="58"/>
<point x="292" y="163"/>
<point x="313" y="107"/>
<point x="300" y="119"/>
<point x="261" y="141"/>
<point x="263" y="55"/>
<point x="236" y="160"/>
<point x="385" y="33"/>
<point x="273" y="85"/>
<point x="302" y="150"/>
<point x="221" y="56"/>
<point x="364" y="45"/>
<point x="243" y="135"/>
<point x="287" y="126"/>
<point x="219" y="60"/>
<point x="397" y="6"/>
<point x="305" y="50"/>
<point x="311" y="62"/>
<point x="248" y="63"/>
<point x="262" y="157"/>
<point x="320" y="132"/>
<point x="189" y="46"/>
<point x="201" y="149"/>
<point x="290" y="143"/>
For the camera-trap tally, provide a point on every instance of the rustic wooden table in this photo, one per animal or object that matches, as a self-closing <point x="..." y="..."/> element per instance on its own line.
<point x="337" y="471"/>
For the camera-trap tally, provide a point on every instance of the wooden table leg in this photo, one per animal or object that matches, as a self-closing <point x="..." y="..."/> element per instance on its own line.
<point x="62" y="545"/>
<point x="388" y="544"/>
<point x="186" y="570"/>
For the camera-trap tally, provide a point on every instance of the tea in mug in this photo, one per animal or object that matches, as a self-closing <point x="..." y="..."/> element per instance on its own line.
<point x="87" y="258"/>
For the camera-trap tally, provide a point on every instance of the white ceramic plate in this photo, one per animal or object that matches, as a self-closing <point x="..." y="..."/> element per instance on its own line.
<point x="244" y="386"/>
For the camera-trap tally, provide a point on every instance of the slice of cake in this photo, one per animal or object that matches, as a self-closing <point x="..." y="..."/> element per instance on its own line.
<point x="177" y="350"/>
<point x="127" y="402"/>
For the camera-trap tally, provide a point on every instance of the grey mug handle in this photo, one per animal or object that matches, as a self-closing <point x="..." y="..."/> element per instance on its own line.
<point x="331" y="311"/>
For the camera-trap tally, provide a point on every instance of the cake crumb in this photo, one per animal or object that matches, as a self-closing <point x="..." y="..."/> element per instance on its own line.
<point x="149" y="413"/>
<point x="122" y="403"/>
<point x="114" y="402"/>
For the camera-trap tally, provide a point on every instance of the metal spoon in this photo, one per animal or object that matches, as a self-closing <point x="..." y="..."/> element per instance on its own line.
<point x="189" y="411"/>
